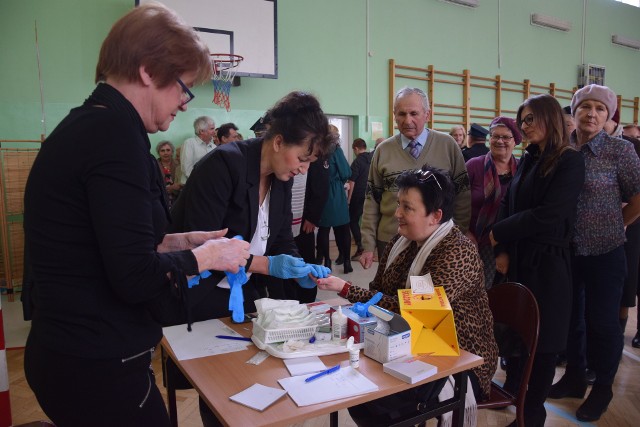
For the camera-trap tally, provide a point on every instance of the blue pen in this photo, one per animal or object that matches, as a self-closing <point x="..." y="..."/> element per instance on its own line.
<point x="229" y="337"/>
<point x="322" y="374"/>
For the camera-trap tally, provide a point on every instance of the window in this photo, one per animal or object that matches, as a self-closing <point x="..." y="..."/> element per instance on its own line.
<point x="635" y="3"/>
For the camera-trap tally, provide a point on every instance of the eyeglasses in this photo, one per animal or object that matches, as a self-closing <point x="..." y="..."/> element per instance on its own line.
<point x="187" y="96"/>
<point x="528" y="119"/>
<point x="504" y="138"/>
<point x="265" y="231"/>
<point x="423" y="176"/>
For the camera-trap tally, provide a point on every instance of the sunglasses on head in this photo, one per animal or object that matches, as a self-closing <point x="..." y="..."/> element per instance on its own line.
<point x="423" y="176"/>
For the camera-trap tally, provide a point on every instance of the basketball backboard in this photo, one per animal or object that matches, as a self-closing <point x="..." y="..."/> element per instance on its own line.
<point x="241" y="27"/>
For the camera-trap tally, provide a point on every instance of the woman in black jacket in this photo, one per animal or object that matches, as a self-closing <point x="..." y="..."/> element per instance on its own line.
<point x="95" y="217"/>
<point x="532" y="236"/>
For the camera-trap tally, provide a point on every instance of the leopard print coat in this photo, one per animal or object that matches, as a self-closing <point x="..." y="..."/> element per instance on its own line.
<point x="454" y="264"/>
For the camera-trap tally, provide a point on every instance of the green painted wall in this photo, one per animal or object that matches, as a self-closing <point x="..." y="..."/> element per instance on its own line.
<point x="322" y="48"/>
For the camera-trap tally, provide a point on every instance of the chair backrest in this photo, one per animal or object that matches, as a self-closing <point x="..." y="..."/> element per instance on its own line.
<point x="515" y="306"/>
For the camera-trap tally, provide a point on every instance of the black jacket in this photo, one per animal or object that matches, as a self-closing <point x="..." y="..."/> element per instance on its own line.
<point x="95" y="211"/>
<point x="535" y="225"/>
<point x="223" y="192"/>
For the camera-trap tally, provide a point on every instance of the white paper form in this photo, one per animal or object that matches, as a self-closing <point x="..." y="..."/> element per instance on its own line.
<point x="304" y="365"/>
<point x="202" y="341"/>
<point x="345" y="382"/>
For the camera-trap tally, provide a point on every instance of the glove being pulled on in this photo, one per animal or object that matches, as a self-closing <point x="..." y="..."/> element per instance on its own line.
<point x="318" y="271"/>
<point x="288" y="267"/>
<point x="236" y="298"/>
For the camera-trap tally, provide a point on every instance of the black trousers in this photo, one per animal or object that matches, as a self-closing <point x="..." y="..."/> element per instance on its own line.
<point x="544" y="366"/>
<point x="343" y="241"/>
<point x="81" y="392"/>
<point x="355" y="212"/>
<point x="306" y="243"/>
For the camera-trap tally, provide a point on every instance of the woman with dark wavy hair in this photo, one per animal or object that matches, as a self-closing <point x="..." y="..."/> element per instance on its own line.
<point x="245" y="187"/>
<point x="532" y="235"/>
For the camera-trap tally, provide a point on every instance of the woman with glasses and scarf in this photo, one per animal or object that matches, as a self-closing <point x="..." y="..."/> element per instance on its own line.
<point x="532" y="235"/>
<point x="95" y="219"/>
<point x="428" y="242"/>
<point x="489" y="177"/>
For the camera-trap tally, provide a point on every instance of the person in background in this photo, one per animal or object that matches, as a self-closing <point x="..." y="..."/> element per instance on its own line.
<point x="613" y="126"/>
<point x="599" y="267"/>
<point x="476" y="143"/>
<point x="458" y="133"/>
<point x="569" y="122"/>
<point x="532" y="235"/>
<point x="193" y="149"/>
<point x="259" y="128"/>
<point x="316" y="192"/>
<point x="336" y="210"/>
<point x="490" y="176"/>
<point x="357" y="187"/>
<point x="378" y="141"/>
<point x="412" y="148"/>
<point x="227" y="133"/>
<point x="95" y="218"/>
<point x="632" y="131"/>
<point x="632" y="255"/>
<point x="168" y="166"/>
<point x="178" y="171"/>
<point x="427" y="241"/>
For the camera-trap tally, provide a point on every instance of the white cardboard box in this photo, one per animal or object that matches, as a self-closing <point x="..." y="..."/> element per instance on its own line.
<point x="409" y="369"/>
<point x="392" y="345"/>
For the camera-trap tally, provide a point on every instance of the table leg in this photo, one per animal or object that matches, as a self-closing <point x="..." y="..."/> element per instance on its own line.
<point x="333" y="419"/>
<point x="460" y="394"/>
<point x="171" y="391"/>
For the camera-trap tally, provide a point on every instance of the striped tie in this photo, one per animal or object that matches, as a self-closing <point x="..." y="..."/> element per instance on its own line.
<point x="413" y="149"/>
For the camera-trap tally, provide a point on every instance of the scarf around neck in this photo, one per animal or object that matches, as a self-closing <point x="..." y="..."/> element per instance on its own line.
<point x="416" y="266"/>
<point x="492" y="195"/>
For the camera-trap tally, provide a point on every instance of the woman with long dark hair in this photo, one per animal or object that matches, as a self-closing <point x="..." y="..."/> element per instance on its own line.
<point x="532" y="235"/>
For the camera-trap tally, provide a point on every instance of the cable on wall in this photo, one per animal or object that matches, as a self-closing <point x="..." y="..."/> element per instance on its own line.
<point x="43" y="118"/>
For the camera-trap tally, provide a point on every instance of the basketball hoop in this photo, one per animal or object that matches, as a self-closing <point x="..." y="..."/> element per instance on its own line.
<point x="225" y="66"/>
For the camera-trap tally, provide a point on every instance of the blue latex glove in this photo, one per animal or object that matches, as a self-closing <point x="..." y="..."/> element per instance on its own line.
<point x="362" y="310"/>
<point x="306" y="282"/>
<point x="195" y="280"/>
<point x="288" y="267"/>
<point x="236" y="298"/>
<point x="318" y="271"/>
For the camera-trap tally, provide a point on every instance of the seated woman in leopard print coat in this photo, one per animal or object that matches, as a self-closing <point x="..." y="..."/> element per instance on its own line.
<point x="428" y="242"/>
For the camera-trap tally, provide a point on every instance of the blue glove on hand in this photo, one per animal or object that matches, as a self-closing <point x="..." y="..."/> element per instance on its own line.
<point x="306" y="282"/>
<point x="288" y="267"/>
<point x="318" y="271"/>
<point x="362" y="310"/>
<point x="236" y="298"/>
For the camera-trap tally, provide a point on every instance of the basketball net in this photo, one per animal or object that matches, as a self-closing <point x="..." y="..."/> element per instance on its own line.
<point x="225" y="67"/>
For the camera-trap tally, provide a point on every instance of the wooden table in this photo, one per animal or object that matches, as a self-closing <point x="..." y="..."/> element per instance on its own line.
<point x="218" y="377"/>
